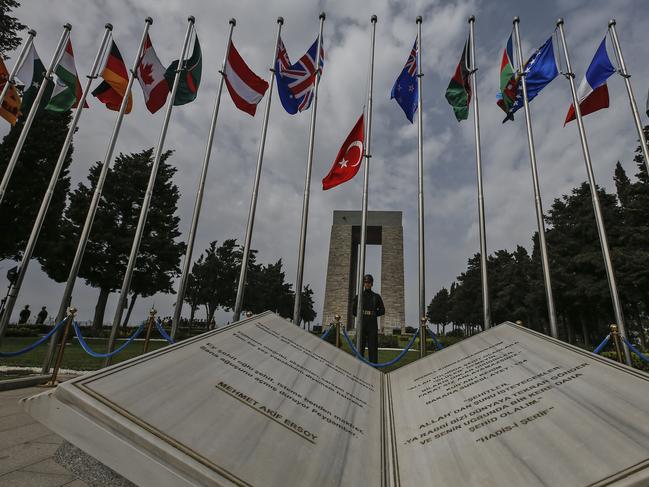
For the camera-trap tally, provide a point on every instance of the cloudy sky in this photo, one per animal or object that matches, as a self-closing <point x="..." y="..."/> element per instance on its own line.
<point x="450" y="177"/>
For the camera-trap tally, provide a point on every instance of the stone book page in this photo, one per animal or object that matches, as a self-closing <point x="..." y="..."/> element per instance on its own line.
<point x="512" y="407"/>
<point x="258" y="403"/>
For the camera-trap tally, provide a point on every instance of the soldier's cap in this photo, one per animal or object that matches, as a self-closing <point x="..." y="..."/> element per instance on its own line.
<point x="368" y="278"/>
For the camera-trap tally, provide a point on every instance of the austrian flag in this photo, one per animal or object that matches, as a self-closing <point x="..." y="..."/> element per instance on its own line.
<point x="245" y="87"/>
<point x="151" y="75"/>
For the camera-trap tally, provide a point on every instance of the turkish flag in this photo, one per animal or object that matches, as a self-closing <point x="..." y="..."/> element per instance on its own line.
<point x="348" y="160"/>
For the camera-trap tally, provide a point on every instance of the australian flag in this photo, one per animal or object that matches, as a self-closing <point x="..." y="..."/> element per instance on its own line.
<point x="540" y="70"/>
<point x="405" y="87"/>
<point x="296" y="82"/>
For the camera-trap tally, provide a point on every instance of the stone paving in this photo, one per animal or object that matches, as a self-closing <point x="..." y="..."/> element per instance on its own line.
<point x="27" y="447"/>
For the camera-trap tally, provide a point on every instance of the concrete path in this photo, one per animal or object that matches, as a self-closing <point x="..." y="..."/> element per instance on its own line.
<point x="27" y="447"/>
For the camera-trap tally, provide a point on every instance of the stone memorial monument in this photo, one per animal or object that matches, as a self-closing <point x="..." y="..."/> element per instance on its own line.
<point x="264" y="403"/>
<point x="384" y="228"/>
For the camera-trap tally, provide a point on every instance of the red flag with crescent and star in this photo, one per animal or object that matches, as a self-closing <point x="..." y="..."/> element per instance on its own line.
<point x="349" y="158"/>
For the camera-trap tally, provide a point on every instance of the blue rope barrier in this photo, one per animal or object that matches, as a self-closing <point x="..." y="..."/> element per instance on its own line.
<point x="384" y="364"/>
<point x="38" y="342"/>
<point x="435" y="341"/>
<point x="92" y="353"/>
<point x="163" y="332"/>
<point x="640" y="355"/>
<point x="601" y="346"/>
<point x="326" y="333"/>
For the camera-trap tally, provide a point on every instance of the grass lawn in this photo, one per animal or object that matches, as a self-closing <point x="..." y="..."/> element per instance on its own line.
<point x="75" y="357"/>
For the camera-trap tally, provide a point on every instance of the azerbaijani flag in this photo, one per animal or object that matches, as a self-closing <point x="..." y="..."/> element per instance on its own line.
<point x="508" y="79"/>
<point x="593" y="91"/>
<point x="111" y="91"/>
<point x="458" y="93"/>
<point x="67" y="89"/>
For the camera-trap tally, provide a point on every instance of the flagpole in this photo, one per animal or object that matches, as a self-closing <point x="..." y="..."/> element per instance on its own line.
<point x="94" y="203"/>
<point x="366" y="177"/>
<point x="139" y="231"/>
<point x="420" y="189"/>
<point x="486" y="310"/>
<point x="545" y="261"/>
<point x="31" y="33"/>
<point x="253" y="198"/>
<point x="599" y="219"/>
<point x="182" y="288"/>
<point x="32" y="112"/>
<point x="47" y="198"/>
<point x="297" y="304"/>
<point x="629" y="91"/>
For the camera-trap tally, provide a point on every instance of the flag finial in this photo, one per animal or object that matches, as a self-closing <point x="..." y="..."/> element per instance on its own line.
<point x="280" y="20"/>
<point x="471" y="18"/>
<point x="611" y="23"/>
<point x="419" y="19"/>
<point x="322" y="16"/>
<point x="149" y="20"/>
<point x="517" y="20"/>
<point x="559" y="21"/>
<point x="32" y="32"/>
<point x="67" y="26"/>
<point x="233" y="21"/>
<point x="374" y="19"/>
<point x="191" y="19"/>
<point x="108" y="26"/>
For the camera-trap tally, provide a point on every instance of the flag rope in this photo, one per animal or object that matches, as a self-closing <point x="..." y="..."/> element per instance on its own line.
<point x="92" y="353"/>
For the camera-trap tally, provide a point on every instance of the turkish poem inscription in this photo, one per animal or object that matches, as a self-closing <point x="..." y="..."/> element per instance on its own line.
<point x="262" y="394"/>
<point x="520" y="409"/>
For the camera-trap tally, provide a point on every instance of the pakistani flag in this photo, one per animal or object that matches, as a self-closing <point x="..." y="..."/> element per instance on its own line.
<point x="31" y="74"/>
<point x="67" y="89"/>
<point x="190" y="76"/>
<point x="458" y="93"/>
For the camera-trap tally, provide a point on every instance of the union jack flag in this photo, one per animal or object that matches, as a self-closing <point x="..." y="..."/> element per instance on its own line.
<point x="296" y="82"/>
<point x="411" y="63"/>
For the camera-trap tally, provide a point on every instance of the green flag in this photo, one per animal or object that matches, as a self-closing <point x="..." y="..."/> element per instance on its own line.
<point x="458" y="93"/>
<point x="190" y="76"/>
<point x="32" y="75"/>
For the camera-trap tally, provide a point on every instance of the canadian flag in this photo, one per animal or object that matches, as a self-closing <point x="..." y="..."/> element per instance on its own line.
<point x="151" y="75"/>
<point x="349" y="158"/>
<point x="245" y="87"/>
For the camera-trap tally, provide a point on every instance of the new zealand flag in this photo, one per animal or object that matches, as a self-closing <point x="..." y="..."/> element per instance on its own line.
<point x="296" y="82"/>
<point x="405" y="87"/>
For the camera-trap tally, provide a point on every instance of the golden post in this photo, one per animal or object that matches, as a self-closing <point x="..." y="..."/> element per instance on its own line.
<point x="337" y="320"/>
<point x="149" y="328"/>
<point x="59" y="357"/>
<point x="618" y="343"/>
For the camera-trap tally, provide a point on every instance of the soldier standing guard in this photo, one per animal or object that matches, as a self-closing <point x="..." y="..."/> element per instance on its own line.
<point x="372" y="309"/>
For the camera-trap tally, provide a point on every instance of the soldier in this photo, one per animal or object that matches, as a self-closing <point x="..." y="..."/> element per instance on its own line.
<point x="24" y="315"/>
<point x="372" y="309"/>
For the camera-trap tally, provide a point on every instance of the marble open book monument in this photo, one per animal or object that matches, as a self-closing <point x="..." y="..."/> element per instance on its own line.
<point x="263" y="403"/>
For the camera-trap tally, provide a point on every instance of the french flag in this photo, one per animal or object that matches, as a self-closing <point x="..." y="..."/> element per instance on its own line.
<point x="593" y="92"/>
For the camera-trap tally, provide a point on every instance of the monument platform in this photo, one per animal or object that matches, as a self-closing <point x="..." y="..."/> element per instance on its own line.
<point x="263" y="403"/>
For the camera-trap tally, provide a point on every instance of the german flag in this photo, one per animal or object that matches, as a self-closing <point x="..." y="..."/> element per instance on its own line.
<point x="111" y="91"/>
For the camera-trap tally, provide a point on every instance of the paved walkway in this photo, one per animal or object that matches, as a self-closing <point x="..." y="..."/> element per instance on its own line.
<point x="27" y="447"/>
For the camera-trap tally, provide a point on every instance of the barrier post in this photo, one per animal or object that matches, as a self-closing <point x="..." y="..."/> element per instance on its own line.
<point x="59" y="357"/>
<point x="337" y="320"/>
<point x="149" y="328"/>
<point x="616" y="340"/>
<point x="422" y="337"/>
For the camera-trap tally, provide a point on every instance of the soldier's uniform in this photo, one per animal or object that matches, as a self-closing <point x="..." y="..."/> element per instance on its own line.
<point x="372" y="308"/>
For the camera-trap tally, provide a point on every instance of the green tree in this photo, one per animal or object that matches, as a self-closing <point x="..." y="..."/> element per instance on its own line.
<point x="307" y="312"/>
<point x="439" y="308"/>
<point x="267" y="290"/>
<point x="106" y="254"/>
<point x="29" y="182"/>
<point x="9" y="27"/>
